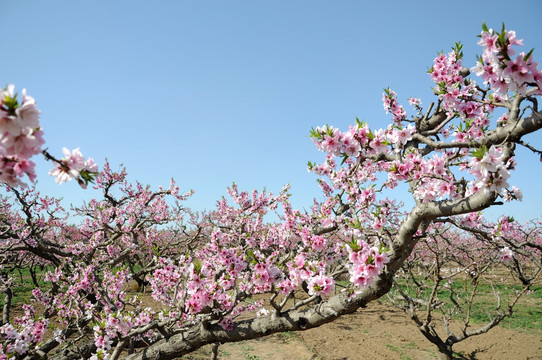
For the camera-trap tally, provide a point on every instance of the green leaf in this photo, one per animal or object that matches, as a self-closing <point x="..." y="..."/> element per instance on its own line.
<point x="353" y="244"/>
<point x="88" y="176"/>
<point x="360" y="123"/>
<point x="355" y="224"/>
<point x="484" y="27"/>
<point x="315" y="134"/>
<point x="11" y="102"/>
<point x="502" y="37"/>
<point x="197" y="265"/>
<point x="457" y="50"/>
<point x="528" y="55"/>
<point x="479" y="153"/>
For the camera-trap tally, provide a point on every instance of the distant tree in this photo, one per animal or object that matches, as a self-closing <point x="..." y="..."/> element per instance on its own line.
<point x="463" y="265"/>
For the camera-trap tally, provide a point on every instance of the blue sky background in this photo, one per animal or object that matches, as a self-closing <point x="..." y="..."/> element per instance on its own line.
<point x="211" y="92"/>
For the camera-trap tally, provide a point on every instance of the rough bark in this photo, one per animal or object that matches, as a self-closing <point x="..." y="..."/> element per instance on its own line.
<point x="7" y="306"/>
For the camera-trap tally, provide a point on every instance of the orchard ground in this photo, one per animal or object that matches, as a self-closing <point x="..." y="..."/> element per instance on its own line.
<point x="381" y="331"/>
<point x="377" y="332"/>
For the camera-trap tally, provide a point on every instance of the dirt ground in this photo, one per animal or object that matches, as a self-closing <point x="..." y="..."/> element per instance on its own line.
<point x="377" y="332"/>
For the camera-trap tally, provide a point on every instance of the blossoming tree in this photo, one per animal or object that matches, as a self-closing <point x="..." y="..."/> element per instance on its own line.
<point x="205" y="270"/>
<point x="464" y="264"/>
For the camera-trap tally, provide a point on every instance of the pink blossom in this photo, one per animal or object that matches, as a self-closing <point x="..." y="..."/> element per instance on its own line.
<point x="506" y="254"/>
<point x="320" y="285"/>
<point x="226" y="324"/>
<point x="351" y="146"/>
<point x="414" y="101"/>
<point x="400" y="137"/>
<point x="71" y="166"/>
<point x="318" y="242"/>
<point x="489" y="41"/>
<point x="379" y="143"/>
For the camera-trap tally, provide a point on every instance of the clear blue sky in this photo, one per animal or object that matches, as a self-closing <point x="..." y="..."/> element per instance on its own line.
<point x="211" y="92"/>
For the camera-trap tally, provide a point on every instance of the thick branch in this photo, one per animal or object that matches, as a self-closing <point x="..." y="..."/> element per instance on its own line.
<point x="295" y="320"/>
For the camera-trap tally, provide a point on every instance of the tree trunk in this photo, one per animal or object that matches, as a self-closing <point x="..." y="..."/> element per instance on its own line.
<point x="7" y="306"/>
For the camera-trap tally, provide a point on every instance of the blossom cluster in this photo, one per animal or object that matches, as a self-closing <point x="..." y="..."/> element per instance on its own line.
<point x="464" y="114"/>
<point x="366" y="263"/>
<point x="21" y="136"/>
<point x="22" y="334"/>
<point x="500" y="70"/>
<point x="431" y="176"/>
<point x="73" y="166"/>
<point x="391" y="105"/>
<point x="86" y="284"/>
<point x="359" y="140"/>
<point x="490" y="170"/>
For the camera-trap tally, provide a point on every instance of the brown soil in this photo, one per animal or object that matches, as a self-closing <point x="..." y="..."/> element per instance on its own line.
<point x="377" y="332"/>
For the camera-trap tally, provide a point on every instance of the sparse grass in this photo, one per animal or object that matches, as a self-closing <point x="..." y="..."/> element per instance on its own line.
<point x="399" y="350"/>
<point x="223" y="353"/>
<point x="288" y="335"/>
<point x="247" y="348"/>
<point x="252" y="357"/>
